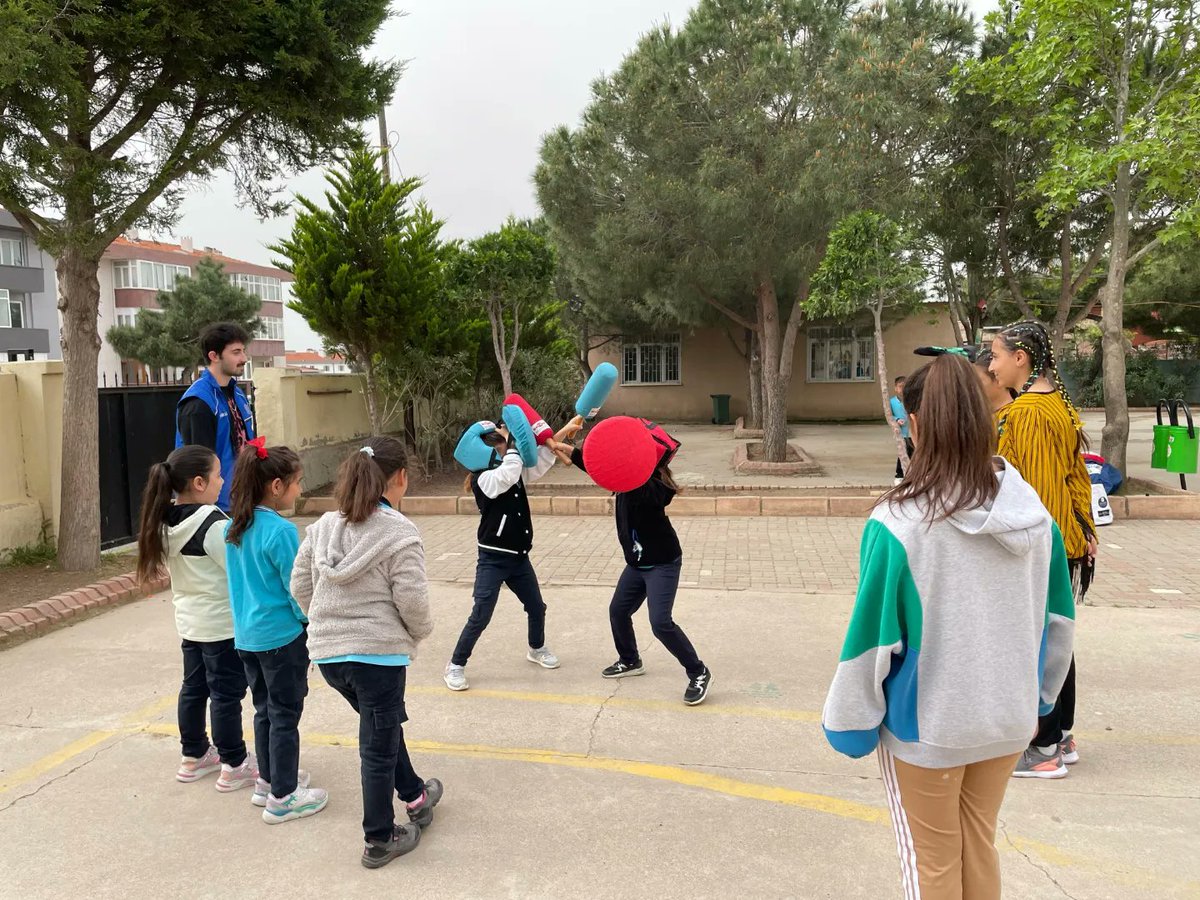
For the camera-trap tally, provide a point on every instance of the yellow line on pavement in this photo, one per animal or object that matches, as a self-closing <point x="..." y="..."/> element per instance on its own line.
<point x="760" y="712"/>
<point x="54" y="760"/>
<point x="64" y="755"/>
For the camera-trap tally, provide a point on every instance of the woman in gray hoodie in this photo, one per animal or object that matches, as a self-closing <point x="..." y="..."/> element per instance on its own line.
<point x="360" y="576"/>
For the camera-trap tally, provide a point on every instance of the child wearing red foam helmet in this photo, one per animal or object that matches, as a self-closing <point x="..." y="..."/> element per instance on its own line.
<point x="653" y="560"/>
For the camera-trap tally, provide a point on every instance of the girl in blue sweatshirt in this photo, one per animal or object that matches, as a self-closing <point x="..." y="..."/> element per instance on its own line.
<point x="269" y="627"/>
<point x="944" y="670"/>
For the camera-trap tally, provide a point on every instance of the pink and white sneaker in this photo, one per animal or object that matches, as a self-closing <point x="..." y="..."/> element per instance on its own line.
<point x="193" y="769"/>
<point x="234" y="779"/>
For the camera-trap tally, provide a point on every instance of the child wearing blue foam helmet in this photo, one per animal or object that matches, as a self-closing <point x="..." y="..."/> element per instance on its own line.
<point x="500" y="461"/>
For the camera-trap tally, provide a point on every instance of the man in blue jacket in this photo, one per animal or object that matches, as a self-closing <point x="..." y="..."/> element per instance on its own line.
<point x="214" y="412"/>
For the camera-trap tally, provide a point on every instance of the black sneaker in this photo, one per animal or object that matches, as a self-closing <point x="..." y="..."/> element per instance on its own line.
<point x="422" y="815"/>
<point x="379" y="853"/>
<point x="697" y="688"/>
<point x="623" y="670"/>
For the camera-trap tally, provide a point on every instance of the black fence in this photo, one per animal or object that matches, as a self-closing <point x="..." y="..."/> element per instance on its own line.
<point x="137" y="429"/>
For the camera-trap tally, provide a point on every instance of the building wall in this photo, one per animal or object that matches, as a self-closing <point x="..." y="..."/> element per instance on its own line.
<point x="30" y="450"/>
<point x="41" y="307"/>
<point x="109" y="362"/>
<point x="710" y="365"/>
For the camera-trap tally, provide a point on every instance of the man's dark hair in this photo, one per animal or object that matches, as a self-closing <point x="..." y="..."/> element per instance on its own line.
<point x="215" y="338"/>
<point x="900" y="379"/>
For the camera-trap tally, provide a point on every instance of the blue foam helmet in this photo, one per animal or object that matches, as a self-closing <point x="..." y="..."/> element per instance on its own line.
<point x="472" y="453"/>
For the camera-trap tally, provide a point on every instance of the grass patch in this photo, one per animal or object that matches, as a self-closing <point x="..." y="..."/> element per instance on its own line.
<point x="43" y="553"/>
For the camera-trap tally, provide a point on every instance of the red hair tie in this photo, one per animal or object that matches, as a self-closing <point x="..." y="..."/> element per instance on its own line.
<point x="260" y="447"/>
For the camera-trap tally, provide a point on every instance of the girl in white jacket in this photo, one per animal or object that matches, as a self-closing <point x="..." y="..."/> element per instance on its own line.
<point x="183" y="531"/>
<point x="360" y="574"/>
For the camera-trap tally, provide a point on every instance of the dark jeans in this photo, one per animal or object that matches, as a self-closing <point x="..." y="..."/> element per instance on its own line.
<point x="492" y="571"/>
<point x="214" y="683"/>
<point x="658" y="584"/>
<point x="278" y="684"/>
<point x="377" y="695"/>
<point x="908" y="449"/>
<point x="1061" y="719"/>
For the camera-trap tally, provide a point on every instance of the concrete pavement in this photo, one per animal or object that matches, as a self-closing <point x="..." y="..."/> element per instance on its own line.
<point x="559" y="783"/>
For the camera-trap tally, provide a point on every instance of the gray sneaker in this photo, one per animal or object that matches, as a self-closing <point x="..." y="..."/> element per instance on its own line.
<point x="1035" y="764"/>
<point x="422" y="813"/>
<point x="543" y="658"/>
<point x="299" y="804"/>
<point x="378" y="854"/>
<point x="456" y="677"/>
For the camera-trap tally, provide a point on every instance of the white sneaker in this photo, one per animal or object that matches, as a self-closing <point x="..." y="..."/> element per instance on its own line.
<point x="262" y="789"/>
<point x="299" y="804"/>
<point x="193" y="768"/>
<point x="234" y="779"/>
<point x="456" y="677"/>
<point x="543" y="658"/>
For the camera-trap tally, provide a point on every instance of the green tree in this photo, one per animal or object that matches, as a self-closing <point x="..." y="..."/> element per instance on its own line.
<point x="509" y="274"/>
<point x="712" y="165"/>
<point x="1113" y="86"/>
<point x="107" y="110"/>
<point x="869" y="269"/>
<point x="370" y="269"/>
<point x="170" y="339"/>
<point x="1163" y="297"/>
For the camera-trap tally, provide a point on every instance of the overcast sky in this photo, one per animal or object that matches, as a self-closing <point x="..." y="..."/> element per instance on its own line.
<point x="485" y="80"/>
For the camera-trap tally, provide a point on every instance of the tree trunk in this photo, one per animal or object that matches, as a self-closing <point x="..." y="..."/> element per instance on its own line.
<point x="372" y="403"/>
<point x="79" y="517"/>
<point x="584" y="349"/>
<point x="775" y="388"/>
<point x="884" y="388"/>
<point x="499" y="345"/>
<point x="754" y="372"/>
<point x="1116" y="403"/>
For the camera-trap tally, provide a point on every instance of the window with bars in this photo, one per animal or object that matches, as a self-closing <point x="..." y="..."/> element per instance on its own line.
<point x="264" y="287"/>
<point x="12" y="252"/>
<point x="151" y="276"/>
<point x="652" y="360"/>
<point x="841" y="354"/>
<point x="272" y="329"/>
<point x="12" y="310"/>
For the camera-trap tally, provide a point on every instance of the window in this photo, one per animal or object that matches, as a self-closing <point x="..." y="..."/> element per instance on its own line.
<point x="12" y="311"/>
<point x="127" y="317"/>
<point x="151" y="276"/>
<point x="264" y="287"/>
<point x="272" y="329"/>
<point x="12" y="252"/>
<point x="653" y="360"/>
<point x="841" y="354"/>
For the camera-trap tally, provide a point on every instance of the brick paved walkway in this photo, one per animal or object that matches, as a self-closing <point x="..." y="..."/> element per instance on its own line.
<point x="1143" y="564"/>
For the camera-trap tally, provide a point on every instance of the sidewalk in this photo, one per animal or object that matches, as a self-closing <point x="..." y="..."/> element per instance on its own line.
<point x="851" y="455"/>
<point x="559" y="783"/>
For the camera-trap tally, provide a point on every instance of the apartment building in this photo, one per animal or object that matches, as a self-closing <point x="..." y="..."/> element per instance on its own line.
<point x="134" y="270"/>
<point x="28" y="297"/>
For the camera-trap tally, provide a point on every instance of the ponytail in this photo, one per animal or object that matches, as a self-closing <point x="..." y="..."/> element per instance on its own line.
<point x="364" y="475"/>
<point x="165" y="480"/>
<point x="257" y="466"/>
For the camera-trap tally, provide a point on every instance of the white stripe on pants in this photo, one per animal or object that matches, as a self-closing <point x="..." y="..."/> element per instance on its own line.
<point x="905" y="848"/>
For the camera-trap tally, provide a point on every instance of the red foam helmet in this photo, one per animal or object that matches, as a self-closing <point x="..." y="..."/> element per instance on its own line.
<point x="620" y="454"/>
<point x="541" y="430"/>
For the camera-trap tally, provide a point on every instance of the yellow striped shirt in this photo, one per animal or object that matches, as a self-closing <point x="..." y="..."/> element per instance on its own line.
<point x="1040" y="438"/>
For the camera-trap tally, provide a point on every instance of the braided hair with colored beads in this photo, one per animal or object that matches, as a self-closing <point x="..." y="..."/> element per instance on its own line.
<point x="1033" y="338"/>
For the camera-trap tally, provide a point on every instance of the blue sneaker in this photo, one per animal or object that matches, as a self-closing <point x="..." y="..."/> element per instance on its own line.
<point x="299" y="804"/>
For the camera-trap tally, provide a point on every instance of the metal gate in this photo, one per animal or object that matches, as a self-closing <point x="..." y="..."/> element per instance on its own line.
<point x="137" y="429"/>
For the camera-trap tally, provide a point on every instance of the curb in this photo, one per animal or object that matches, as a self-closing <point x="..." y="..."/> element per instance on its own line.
<point x="44" y="616"/>
<point x="1124" y="508"/>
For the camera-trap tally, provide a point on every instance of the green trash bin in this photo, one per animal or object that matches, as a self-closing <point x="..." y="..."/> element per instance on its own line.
<point x="1182" y="442"/>
<point x="721" y="409"/>
<point x="1158" y="450"/>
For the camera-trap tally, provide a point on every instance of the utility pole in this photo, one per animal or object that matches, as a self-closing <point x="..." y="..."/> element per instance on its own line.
<point x="385" y="150"/>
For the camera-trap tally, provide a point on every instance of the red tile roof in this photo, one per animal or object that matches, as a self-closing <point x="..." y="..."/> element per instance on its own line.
<point x="158" y="251"/>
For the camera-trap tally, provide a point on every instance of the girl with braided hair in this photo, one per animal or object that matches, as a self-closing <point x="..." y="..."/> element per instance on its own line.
<point x="1041" y="434"/>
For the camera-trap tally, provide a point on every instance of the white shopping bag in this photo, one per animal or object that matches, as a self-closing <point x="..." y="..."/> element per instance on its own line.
<point x="1101" y="508"/>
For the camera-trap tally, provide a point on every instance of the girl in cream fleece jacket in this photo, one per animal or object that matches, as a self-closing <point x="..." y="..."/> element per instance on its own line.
<point x="360" y="575"/>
